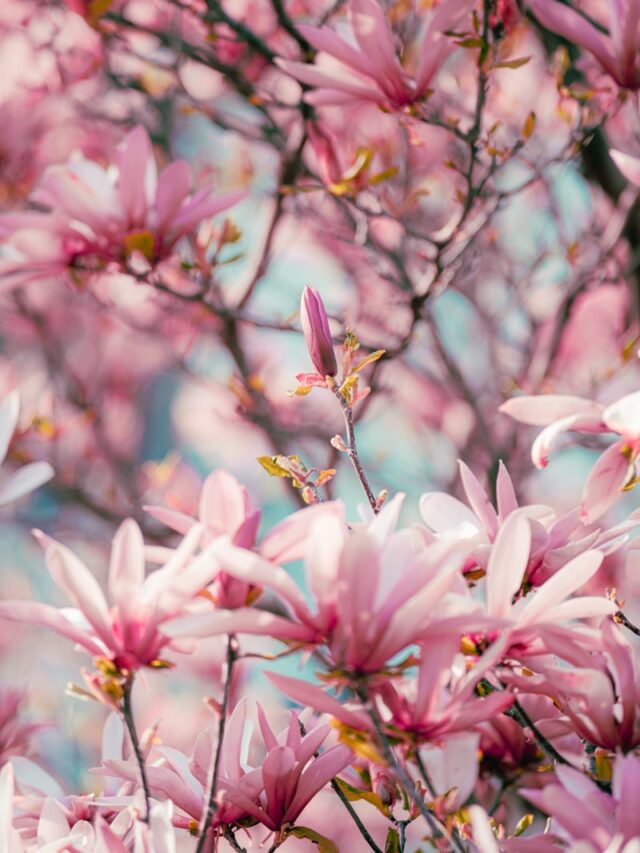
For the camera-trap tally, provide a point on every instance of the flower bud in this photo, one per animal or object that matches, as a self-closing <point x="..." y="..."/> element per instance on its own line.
<point x="315" y="327"/>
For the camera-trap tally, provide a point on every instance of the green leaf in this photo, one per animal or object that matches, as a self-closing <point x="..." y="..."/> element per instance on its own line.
<point x="513" y="63"/>
<point x="271" y="466"/>
<point x="392" y="844"/>
<point x="354" y="794"/>
<point x="325" y="845"/>
<point x="368" y="360"/>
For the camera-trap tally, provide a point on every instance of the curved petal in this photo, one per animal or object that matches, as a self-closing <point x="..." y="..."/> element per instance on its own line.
<point x="507" y="564"/>
<point x="604" y="483"/>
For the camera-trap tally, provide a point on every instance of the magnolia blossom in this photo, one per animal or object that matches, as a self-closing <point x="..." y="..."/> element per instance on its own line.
<point x="617" y="51"/>
<point x="128" y="633"/>
<point x="315" y="326"/>
<point x="29" y="477"/>
<point x="363" y="624"/>
<point x="225" y="511"/>
<point x="554" y="540"/>
<point x="96" y="215"/>
<point x="582" y="812"/>
<point x="371" y="70"/>
<point x="615" y="468"/>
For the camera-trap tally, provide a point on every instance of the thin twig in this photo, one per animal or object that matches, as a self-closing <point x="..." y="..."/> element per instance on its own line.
<point x="352" y="449"/>
<point x="212" y="805"/>
<point x="127" y="715"/>
<point x="354" y="816"/>
<point x="403" y="777"/>
<point x="621" y="619"/>
<point x="521" y="717"/>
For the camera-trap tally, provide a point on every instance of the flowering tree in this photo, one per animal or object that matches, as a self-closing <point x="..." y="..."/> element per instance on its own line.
<point x="285" y="286"/>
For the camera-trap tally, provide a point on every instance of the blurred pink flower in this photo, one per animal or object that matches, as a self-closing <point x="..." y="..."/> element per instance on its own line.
<point x="107" y="214"/>
<point x="29" y="477"/>
<point x="617" y="51"/>
<point x="371" y="70"/>
<point x="616" y="466"/>
<point x="15" y="734"/>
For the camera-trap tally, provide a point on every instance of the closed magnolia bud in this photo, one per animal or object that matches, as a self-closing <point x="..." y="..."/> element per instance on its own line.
<point x="315" y="327"/>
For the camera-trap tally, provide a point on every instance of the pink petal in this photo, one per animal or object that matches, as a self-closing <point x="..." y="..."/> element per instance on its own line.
<point x="308" y="694"/>
<point x="623" y="416"/>
<point x="505" y="493"/>
<point x="560" y="586"/>
<point x="224" y="503"/>
<point x="321" y="771"/>
<point x="628" y="165"/>
<point x="136" y="166"/>
<point x="287" y="541"/>
<point x="178" y="521"/>
<point x="543" y="444"/>
<point x="244" y="620"/>
<point x="507" y="564"/>
<point x="74" y="578"/>
<point x="478" y="499"/>
<point x="174" y="185"/>
<point x="34" y="613"/>
<point x="25" y="481"/>
<point x="545" y="409"/>
<point x="9" y="411"/>
<point x="204" y="205"/>
<point x="126" y="568"/>
<point x="604" y="483"/>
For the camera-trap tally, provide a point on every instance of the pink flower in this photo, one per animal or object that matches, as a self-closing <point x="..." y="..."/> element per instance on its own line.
<point x="315" y="327"/>
<point x="554" y="540"/>
<point x="225" y="510"/>
<point x="363" y="624"/>
<point x="15" y="734"/>
<point x="371" y="71"/>
<point x="291" y="773"/>
<point x="29" y="477"/>
<point x="104" y="215"/>
<point x="616" y="52"/>
<point x="582" y="812"/>
<point x="559" y="414"/>
<point x="128" y="633"/>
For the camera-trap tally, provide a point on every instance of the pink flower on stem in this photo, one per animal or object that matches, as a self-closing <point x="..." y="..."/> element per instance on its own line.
<point x="370" y="70"/>
<point x="291" y="772"/>
<point x="615" y="469"/>
<point x="616" y="51"/>
<point x="29" y="477"/>
<point x="364" y="625"/>
<point x="126" y="636"/>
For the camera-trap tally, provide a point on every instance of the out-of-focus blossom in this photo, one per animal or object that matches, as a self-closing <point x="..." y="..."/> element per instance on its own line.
<point x="371" y="70"/>
<point x="15" y="734"/>
<point x="617" y="51"/>
<point x="97" y="215"/>
<point x="615" y="469"/>
<point x="29" y="477"/>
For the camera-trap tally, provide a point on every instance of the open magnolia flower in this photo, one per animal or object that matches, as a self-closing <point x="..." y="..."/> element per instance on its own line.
<point x="29" y="477"/>
<point x="615" y="470"/>
<point x="95" y="215"/>
<point x="370" y="70"/>
<point x="615" y="50"/>
<point x="126" y="636"/>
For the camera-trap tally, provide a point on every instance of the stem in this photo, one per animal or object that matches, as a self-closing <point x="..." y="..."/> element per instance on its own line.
<point x="352" y="449"/>
<point x="425" y="776"/>
<point x="212" y="805"/>
<point x="354" y="816"/>
<point x="621" y="619"/>
<point x="403" y="777"/>
<point x="228" y="834"/>
<point x="523" y="719"/>
<point x="127" y="715"/>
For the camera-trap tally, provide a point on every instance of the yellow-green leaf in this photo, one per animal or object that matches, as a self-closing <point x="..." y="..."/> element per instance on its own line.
<point x="369" y="360"/>
<point x="513" y="63"/>
<point x="392" y="844"/>
<point x="324" y="844"/>
<point x="272" y="467"/>
<point x="354" y="794"/>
